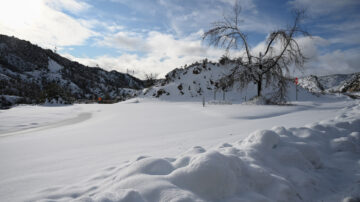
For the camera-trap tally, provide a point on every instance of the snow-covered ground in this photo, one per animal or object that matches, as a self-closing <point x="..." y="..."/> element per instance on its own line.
<point x="151" y="150"/>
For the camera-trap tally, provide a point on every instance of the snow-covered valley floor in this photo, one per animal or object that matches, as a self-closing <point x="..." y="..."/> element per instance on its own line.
<point x="180" y="151"/>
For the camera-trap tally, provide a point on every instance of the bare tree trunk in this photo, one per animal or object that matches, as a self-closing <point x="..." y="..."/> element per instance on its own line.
<point x="259" y="88"/>
<point x="259" y="85"/>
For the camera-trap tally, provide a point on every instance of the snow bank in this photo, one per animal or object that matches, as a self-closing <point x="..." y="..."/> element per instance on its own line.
<point x="318" y="162"/>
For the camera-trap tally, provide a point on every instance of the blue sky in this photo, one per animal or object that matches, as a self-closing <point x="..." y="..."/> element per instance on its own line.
<point x="156" y="36"/>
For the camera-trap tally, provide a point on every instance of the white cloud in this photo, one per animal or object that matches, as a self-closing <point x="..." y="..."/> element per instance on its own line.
<point x="245" y="4"/>
<point x="308" y="46"/>
<point x="184" y="18"/>
<point x="161" y="53"/>
<point x="335" y="62"/>
<point x="158" y="44"/>
<point x="345" y="32"/>
<point x="46" y="23"/>
<point x="332" y="18"/>
<point x="318" y="62"/>
<point x="128" y="41"/>
<point x="164" y="53"/>
<point x="348" y="38"/>
<point x="42" y="24"/>
<point x="69" y="5"/>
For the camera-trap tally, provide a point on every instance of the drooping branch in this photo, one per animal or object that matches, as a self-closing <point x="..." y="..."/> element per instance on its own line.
<point x="280" y="52"/>
<point x="288" y="43"/>
<point x="227" y="33"/>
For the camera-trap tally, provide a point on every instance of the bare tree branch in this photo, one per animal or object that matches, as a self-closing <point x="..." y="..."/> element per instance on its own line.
<point x="227" y="33"/>
<point x="281" y="51"/>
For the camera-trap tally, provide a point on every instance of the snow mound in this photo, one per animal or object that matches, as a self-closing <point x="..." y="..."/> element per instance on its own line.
<point x="202" y="81"/>
<point x="318" y="162"/>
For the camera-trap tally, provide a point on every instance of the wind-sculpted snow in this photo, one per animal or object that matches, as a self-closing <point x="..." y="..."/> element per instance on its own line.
<point x="318" y="162"/>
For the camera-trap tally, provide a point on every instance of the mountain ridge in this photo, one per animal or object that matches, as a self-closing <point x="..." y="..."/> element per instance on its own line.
<point x="334" y="83"/>
<point x="32" y="75"/>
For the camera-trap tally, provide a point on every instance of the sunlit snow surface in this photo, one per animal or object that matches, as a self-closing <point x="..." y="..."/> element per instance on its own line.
<point x="150" y="150"/>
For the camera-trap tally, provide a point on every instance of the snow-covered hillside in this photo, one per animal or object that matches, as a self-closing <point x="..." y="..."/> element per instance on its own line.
<point x="201" y="80"/>
<point x="36" y="75"/>
<point x="331" y="83"/>
<point x="312" y="84"/>
<point x="352" y="84"/>
<point x="151" y="150"/>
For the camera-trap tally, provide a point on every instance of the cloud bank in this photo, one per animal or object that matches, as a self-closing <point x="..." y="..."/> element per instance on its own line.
<point x="156" y="36"/>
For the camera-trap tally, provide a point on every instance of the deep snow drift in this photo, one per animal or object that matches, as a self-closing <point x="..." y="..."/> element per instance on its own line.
<point x="145" y="150"/>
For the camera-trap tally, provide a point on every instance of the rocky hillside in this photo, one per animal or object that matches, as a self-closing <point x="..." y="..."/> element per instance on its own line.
<point x="351" y="85"/>
<point x="30" y="74"/>
<point x="343" y="83"/>
<point x="312" y="84"/>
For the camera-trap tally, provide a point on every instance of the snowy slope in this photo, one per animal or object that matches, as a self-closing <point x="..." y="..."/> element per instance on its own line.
<point x="351" y="85"/>
<point x="311" y="83"/>
<point x="90" y="152"/>
<point x="200" y="80"/>
<point x="37" y="75"/>
<point x="331" y="83"/>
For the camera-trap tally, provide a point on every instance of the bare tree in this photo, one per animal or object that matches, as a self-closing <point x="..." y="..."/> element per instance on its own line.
<point x="270" y="65"/>
<point x="150" y="79"/>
